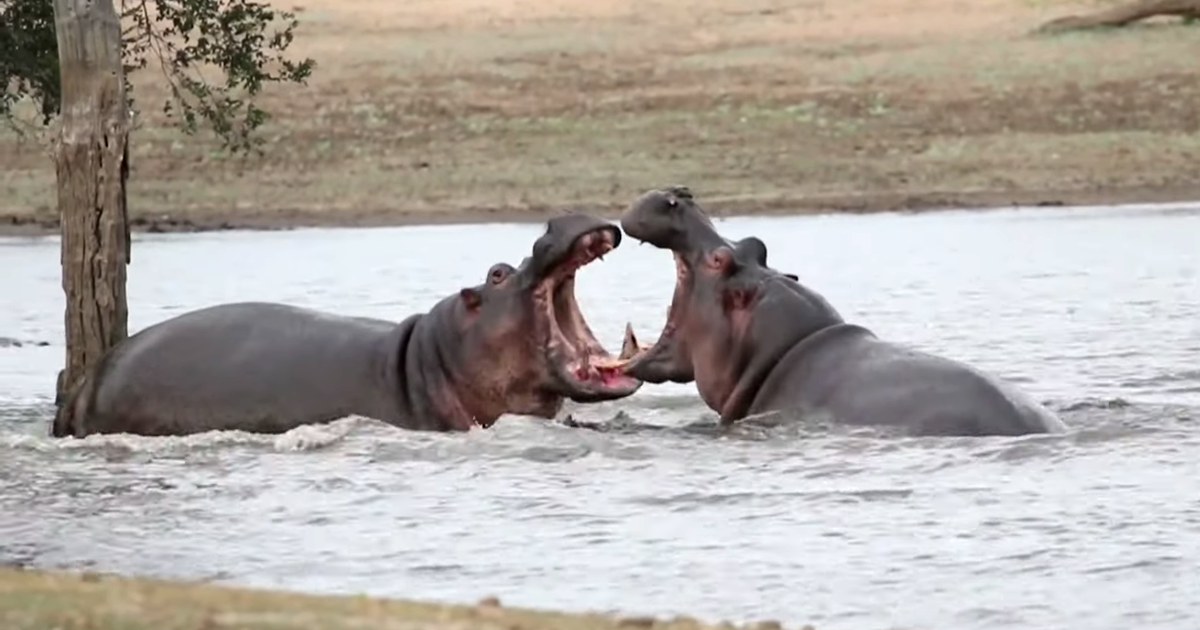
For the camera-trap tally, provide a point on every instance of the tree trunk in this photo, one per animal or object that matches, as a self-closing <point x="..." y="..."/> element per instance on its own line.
<point x="1124" y="14"/>
<point x="92" y="164"/>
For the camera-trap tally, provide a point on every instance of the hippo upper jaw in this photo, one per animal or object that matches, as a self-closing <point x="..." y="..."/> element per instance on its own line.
<point x="670" y="218"/>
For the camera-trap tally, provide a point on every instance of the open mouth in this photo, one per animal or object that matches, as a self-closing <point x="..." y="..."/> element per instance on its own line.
<point x="587" y="369"/>
<point x="632" y="351"/>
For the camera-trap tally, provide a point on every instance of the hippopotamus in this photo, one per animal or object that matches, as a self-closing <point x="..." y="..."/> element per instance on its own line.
<point x="516" y="343"/>
<point x="756" y="340"/>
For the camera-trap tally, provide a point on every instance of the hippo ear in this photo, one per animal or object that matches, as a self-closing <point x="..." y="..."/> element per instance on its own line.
<point x="471" y="298"/>
<point x="721" y="260"/>
<point x="754" y="248"/>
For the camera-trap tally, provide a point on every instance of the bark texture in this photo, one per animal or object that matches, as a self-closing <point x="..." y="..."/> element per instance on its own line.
<point x="92" y="164"/>
<point x="1124" y="14"/>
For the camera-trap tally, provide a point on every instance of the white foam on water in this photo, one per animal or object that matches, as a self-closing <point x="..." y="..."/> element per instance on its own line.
<point x="302" y="438"/>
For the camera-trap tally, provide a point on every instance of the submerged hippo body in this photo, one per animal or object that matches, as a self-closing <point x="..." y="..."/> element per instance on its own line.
<point x="755" y="340"/>
<point x="515" y="344"/>
<point x="859" y="379"/>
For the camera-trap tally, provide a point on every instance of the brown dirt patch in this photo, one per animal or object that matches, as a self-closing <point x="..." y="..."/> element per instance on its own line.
<point x="36" y="600"/>
<point x="463" y="110"/>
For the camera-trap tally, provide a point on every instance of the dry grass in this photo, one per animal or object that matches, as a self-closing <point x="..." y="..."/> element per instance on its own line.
<point x="32" y="600"/>
<point x="429" y="110"/>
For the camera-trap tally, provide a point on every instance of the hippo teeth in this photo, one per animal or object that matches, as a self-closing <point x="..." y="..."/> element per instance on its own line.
<point x="606" y="363"/>
<point x="629" y="347"/>
<point x="629" y="350"/>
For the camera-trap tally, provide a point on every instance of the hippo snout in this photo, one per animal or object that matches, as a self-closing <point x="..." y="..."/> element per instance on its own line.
<point x="651" y="217"/>
<point x="669" y="218"/>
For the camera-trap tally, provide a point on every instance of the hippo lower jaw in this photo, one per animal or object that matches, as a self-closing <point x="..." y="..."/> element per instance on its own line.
<point x="584" y="370"/>
<point x="655" y="362"/>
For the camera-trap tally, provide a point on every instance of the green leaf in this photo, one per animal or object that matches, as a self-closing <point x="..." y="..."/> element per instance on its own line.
<point x="245" y="40"/>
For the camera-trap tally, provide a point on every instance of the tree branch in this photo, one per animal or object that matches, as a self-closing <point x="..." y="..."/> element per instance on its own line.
<point x="245" y="40"/>
<point x="1123" y="15"/>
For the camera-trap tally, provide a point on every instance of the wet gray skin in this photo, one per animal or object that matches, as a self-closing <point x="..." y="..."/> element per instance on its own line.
<point x="755" y="340"/>
<point x="516" y="343"/>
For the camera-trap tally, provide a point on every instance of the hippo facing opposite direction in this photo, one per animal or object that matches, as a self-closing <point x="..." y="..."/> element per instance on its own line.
<point x="517" y="343"/>
<point x="756" y="340"/>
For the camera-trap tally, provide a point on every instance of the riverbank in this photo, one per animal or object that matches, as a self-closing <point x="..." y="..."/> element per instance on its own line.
<point x="458" y="111"/>
<point x="36" y="600"/>
<point x="727" y="206"/>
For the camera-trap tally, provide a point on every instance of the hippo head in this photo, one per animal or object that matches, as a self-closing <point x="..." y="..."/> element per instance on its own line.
<point x="730" y="313"/>
<point x="530" y="346"/>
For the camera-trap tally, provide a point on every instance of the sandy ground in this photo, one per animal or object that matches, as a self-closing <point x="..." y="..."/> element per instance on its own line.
<point x="472" y="110"/>
<point x="35" y="600"/>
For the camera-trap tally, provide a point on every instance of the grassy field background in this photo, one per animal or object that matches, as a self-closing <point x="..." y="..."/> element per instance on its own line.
<point x="36" y="600"/>
<point x="455" y="110"/>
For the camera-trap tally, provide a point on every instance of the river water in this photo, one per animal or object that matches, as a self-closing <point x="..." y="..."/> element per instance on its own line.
<point x="1096" y="311"/>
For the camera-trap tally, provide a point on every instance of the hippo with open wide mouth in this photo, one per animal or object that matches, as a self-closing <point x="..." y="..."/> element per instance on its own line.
<point x="516" y="343"/>
<point x="585" y="371"/>
<point x="755" y="340"/>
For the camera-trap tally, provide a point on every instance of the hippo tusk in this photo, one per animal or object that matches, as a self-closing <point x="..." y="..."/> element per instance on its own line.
<point x="630" y="347"/>
<point x="629" y="350"/>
